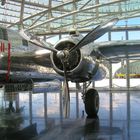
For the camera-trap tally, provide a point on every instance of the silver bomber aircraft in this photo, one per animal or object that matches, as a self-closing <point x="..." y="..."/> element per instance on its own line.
<point x="75" y="58"/>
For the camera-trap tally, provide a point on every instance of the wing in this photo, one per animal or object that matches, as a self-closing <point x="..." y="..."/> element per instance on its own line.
<point x="26" y="66"/>
<point x="117" y="49"/>
<point x="25" y="61"/>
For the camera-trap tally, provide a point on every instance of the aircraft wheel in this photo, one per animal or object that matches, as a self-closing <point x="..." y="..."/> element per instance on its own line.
<point x="92" y="103"/>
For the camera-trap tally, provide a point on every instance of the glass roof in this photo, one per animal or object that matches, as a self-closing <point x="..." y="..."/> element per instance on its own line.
<point x="54" y="16"/>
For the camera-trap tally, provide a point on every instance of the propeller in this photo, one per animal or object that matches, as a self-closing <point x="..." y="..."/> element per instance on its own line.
<point x="66" y="93"/>
<point x="63" y="55"/>
<point x="37" y="41"/>
<point x="95" y="33"/>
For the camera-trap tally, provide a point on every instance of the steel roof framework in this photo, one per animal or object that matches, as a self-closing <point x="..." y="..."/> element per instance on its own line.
<point x="60" y="15"/>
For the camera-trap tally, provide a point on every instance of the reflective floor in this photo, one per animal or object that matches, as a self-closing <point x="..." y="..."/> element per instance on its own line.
<point x="27" y="116"/>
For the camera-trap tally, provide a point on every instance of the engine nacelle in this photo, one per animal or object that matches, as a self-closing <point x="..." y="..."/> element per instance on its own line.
<point x="80" y="68"/>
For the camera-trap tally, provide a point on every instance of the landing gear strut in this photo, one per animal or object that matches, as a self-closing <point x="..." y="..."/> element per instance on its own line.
<point x="91" y="102"/>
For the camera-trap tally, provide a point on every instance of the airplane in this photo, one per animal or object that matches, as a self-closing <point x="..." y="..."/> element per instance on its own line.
<point x="76" y="58"/>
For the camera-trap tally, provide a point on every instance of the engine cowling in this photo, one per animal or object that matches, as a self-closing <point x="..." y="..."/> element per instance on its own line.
<point x="80" y="67"/>
<point x="73" y="60"/>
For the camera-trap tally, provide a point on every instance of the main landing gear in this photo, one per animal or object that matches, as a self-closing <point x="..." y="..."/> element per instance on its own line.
<point x="91" y="101"/>
<point x="90" y="98"/>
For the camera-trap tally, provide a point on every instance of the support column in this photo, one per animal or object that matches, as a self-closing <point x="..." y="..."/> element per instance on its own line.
<point x="109" y="36"/>
<point x="128" y="86"/>
<point x="127" y="61"/>
<point x="110" y="75"/>
<point x="110" y="65"/>
<point x="128" y="115"/>
<point x="45" y="109"/>
<point x="127" y="74"/>
<point x="93" y="84"/>
<point x="97" y="10"/>
<point x="49" y="14"/>
<point x="60" y="35"/>
<point x="126" y="32"/>
<point x="30" y="108"/>
<point x="22" y="12"/>
<point x="122" y="63"/>
<point x="128" y="106"/>
<point x="77" y="101"/>
<point x="74" y="16"/>
<point x="111" y="109"/>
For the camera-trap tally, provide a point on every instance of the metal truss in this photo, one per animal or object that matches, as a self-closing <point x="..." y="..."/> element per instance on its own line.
<point x="55" y="16"/>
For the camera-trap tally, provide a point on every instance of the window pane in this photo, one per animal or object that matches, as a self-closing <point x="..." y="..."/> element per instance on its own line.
<point x="25" y="42"/>
<point x="134" y="35"/>
<point x="118" y="36"/>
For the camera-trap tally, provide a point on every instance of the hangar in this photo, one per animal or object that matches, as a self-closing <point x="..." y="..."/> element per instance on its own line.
<point x="110" y="32"/>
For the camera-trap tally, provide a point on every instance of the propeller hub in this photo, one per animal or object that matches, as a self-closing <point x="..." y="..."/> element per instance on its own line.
<point x="62" y="54"/>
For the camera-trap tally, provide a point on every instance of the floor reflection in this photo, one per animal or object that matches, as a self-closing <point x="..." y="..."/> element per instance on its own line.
<point x="27" y="116"/>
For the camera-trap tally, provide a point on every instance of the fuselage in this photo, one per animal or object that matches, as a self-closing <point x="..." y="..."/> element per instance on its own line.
<point x="17" y="55"/>
<point x="19" y="58"/>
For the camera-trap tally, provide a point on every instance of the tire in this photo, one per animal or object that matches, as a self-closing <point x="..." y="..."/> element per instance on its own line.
<point x="92" y="103"/>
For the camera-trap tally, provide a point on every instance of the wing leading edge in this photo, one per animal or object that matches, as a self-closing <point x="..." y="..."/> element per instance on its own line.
<point x="118" y="49"/>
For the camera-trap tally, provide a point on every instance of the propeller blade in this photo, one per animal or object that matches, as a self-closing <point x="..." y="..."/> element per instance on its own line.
<point x="95" y="33"/>
<point x="66" y="105"/>
<point x="37" y="41"/>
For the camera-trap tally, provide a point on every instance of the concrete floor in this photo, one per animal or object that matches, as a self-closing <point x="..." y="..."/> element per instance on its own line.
<point x="39" y="117"/>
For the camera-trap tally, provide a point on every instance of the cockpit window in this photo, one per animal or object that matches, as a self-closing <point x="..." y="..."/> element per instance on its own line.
<point x="3" y="34"/>
<point x="24" y="42"/>
<point x="74" y="32"/>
